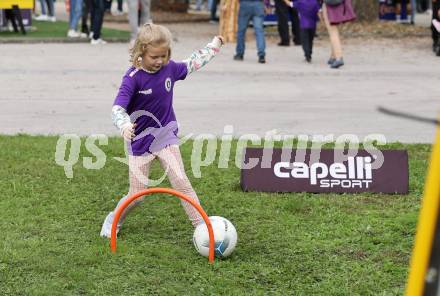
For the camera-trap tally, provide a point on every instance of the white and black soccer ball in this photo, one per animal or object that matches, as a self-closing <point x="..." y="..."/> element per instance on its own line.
<point x="225" y="237"/>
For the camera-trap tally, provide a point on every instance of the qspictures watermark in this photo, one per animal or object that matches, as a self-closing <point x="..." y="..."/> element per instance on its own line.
<point x="207" y="148"/>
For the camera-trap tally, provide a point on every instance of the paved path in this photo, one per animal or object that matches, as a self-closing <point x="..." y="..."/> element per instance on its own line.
<point x="69" y="88"/>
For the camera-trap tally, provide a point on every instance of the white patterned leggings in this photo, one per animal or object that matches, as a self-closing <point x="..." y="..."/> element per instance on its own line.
<point x="171" y="161"/>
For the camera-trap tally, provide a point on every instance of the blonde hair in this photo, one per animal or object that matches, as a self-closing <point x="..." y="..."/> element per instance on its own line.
<point x="150" y="35"/>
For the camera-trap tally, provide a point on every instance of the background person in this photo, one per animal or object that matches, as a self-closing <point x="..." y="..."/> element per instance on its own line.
<point x="97" y="11"/>
<point x="214" y="18"/>
<point x="308" y="18"/>
<point x="334" y="15"/>
<point x="47" y="11"/>
<point x="135" y="19"/>
<point x="434" y="32"/>
<point x="108" y="7"/>
<point x="75" y="12"/>
<point x="285" y="12"/>
<point x="86" y="14"/>
<point x="251" y="10"/>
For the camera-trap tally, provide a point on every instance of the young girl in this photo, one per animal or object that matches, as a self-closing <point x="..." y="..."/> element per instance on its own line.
<point x="143" y="112"/>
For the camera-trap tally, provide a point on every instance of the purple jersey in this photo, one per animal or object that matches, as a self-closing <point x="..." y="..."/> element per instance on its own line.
<point x="308" y="13"/>
<point x="148" y="99"/>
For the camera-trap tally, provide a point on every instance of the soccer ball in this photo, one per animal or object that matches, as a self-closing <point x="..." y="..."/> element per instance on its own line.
<point x="225" y="237"/>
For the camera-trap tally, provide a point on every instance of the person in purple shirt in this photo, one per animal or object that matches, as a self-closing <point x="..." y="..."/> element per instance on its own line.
<point x="143" y="112"/>
<point x="308" y="18"/>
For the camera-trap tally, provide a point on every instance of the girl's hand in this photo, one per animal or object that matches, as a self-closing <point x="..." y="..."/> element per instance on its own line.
<point x="221" y="38"/>
<point x="128" y="132"/>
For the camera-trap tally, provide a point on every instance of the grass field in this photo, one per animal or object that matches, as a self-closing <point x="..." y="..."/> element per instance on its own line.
<point x="58" y="30"/>
<point x="289" y="244"/>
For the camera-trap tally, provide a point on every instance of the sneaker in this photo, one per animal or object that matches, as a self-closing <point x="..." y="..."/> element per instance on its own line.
<point x="52" y="19"/>
<point x="73" y="34"/>
<point x="436" y="25"/>
<point x="83" y="35"/>
<point x="91" y="35"/>
<point x="118" y="13"/>
<point x="283" y="44"/>
<point x="337" y="63"/>
<point x="106" y="229"/>
<point x="41" y="17"/>
<point x="238" y="57"/>
<point x="262" y="60"/>
<point x="97" y="41"/>
<point x="331" y="61"/>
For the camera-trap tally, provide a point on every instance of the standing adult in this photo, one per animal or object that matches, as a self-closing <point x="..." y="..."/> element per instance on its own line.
<point x="335" y="13"/>
<point x="48" y="15"/>
<point x="97" y="20"/>
<point x="251" y="10"/>
<point x="413" y="11"/>
<point x="435" y="33"/>
<point x="135" y="19"/>
<point x="75" y="12"/>
<point x="86" y="14"/>
<point x="284" y="12"/>
<point x="214" y="4"/>
<point x="199" y="4"/>
<point x="108" y="7"/>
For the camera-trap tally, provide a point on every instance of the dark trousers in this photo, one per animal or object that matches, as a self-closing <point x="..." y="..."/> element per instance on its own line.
<point x="108" y="5"/>
<point x="87" y="6"/>
<point x="97" y="17"/>
<point x="307" y="36"/>
<point x="283" y="13"/>
<point x="50" y="8"/>
<point x="214" y="10"/>
<point x="435" y="10"/>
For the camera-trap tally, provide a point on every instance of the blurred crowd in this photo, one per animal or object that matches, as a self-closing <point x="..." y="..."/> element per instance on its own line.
<point x="86" y="19"/>
<point x="86" y="16"/>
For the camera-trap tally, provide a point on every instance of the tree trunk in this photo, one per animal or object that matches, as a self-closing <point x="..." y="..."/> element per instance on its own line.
<point x="366" y="10"/>
<point x="170" y="5"/>
<point x="228" y="20"/>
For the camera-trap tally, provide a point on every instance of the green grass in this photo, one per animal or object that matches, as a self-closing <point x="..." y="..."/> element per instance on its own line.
<point x="289" y="244"/>
<point x="59" y="30"/>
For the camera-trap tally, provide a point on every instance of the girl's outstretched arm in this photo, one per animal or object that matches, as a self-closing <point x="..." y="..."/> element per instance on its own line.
<point x="201" y="57"/>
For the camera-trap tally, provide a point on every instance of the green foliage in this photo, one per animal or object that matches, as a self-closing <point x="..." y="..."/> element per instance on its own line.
<point x="289" y="244"/>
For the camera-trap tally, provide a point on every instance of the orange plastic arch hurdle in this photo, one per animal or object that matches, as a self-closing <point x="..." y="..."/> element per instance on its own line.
<point x="129" y="200"/>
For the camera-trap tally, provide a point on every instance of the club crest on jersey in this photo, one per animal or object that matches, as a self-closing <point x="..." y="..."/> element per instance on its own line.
<point x="168" y="84"/>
